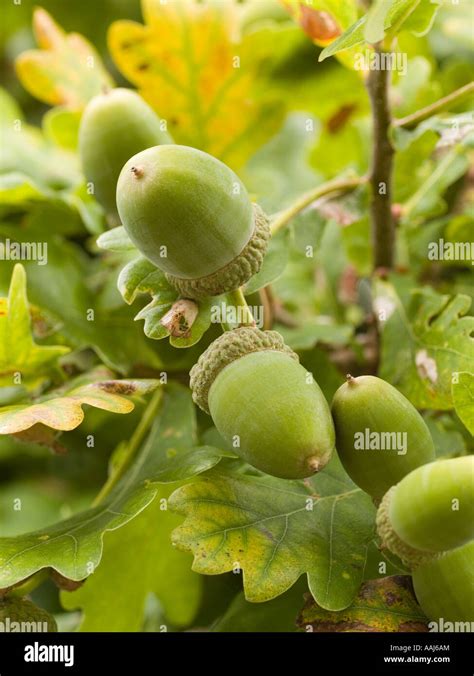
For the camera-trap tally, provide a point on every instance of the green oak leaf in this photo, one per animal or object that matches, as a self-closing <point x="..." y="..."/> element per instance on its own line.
<point x="9" y="108"/>
<point x="463" y="398"/>
<point x="19" y="189"/>
<point x="19" y="354"/>
<point x="73" y="547"/>
<point x="279" y="172"/>
<point x="61" y="409"/>
<point x="447" y="432"/>
<point x="116" y="239"/>
<point x="277" y="615"/>
<point x="138" y="559"/>
<point x="141" y="276"/>
<point x="381" y="562"/>
<point x="313" y="332"/>
<point x="428" y="200"/>
<point x="374" y="27"/>
<point x="276" y="530"/>
<point x="382" y="605"/>
<point x="26" y="150"/>
<point x="61" y="127"/>
<point x="423" y="343"/>
<point x="386" y="16"/>
<point x="152" y="314"/>
<point x="62" y="289"/>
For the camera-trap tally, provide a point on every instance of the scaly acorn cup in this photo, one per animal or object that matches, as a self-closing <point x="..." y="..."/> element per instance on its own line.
<point x="443" y="587"/>
<point x="191" y="216"/>
<point x="261" y="397"/>
<point x="430" y="511"/>
<point x="18" y="614"/>
<point x="380" y="436"/>
<point x="115" y="125"/>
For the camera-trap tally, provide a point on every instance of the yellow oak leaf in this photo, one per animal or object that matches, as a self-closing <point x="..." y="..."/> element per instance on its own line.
<point x="66" y="70"/>
<point x="192" y="66"/>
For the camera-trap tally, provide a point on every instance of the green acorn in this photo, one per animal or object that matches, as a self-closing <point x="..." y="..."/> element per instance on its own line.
<point x="430" y="511"/>
<point x="264" y="403"/>
<point x="190" y="215"/>
<point x="21" y="615"/>
<point x="115" y="126"/>
<point x="380" y="436"/>
<point x="443" y="586"/>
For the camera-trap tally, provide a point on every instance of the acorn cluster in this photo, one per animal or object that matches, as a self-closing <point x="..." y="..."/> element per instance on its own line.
<point x="192" y="217"/>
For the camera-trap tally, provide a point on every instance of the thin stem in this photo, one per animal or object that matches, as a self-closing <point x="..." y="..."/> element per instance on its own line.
<point x="27" y="586"/>
<point x="383" y="227"/>
<point x="266" y="300"/>
<point x="237" y="299"/>
<point x="445" y="103"/>
<point x="338" y="185"/>
<point x="133" y="445"/>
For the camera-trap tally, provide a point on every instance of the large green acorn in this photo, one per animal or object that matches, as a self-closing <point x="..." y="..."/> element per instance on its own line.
<point x="21" y="615"/>
<point x="115" y="125"/>
<point x="443" y="587"/>
<point x="191" y="216"/>
<point x="264" y="403"/>
<point x="380" y="436"/>
<point x="431" y="510"/>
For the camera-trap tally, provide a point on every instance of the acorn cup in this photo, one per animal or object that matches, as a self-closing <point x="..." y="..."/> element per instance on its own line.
<point x="264" y="403"/>
<point x="444" y="587"/>
<point x="16" y="613"/>
<point x="191" y="216"/>
<point x="380" y="436"/>
<point x="430" y="511"/>
<point x="115" y="125"/>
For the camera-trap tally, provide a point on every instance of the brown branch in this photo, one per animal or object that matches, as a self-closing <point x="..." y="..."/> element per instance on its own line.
<point x="383" y="227"/>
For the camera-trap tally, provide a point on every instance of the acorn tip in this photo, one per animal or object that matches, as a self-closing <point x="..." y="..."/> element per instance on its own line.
<point x="314" y="464"/>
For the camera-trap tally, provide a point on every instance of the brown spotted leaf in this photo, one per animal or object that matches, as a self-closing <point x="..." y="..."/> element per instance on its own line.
<point x="73" y="547"/>
<point x="62" y="409"/>
<point x="425" y="339"/>
<point x="43" y="436"/>
<point x="383" y="605"/>
<point x="66" y="70"/>
<point x="190" y="64"/>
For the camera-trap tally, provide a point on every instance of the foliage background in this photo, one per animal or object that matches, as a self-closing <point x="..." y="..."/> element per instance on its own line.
<point x="299" y="122"/>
